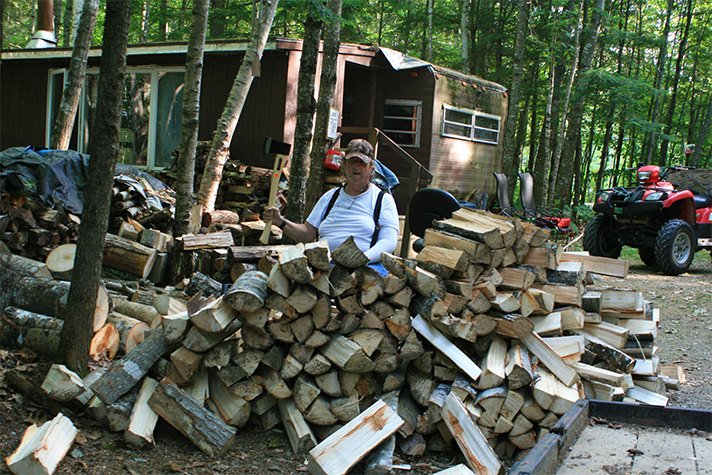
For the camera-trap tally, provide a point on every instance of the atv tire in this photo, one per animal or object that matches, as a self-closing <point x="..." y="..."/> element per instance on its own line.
<point x="647" y="255"/>
<point x="675" y="247"/>
<point x="601" y="239"/>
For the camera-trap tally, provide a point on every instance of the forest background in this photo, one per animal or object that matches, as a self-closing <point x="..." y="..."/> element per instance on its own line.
<point x="596" y="86"/>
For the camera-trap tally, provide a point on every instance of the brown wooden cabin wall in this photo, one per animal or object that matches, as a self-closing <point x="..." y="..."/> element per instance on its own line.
<point x="460" y="166"/>
<point x="24" y="101"/>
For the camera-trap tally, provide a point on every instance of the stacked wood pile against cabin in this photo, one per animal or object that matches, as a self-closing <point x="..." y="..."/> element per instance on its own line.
<point x="483" y="341"/>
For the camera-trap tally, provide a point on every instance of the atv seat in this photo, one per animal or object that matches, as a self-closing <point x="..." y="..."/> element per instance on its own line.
<point x="551" y="219"/>
<point x="702" y="201"/>
<point x="429" y="204"/>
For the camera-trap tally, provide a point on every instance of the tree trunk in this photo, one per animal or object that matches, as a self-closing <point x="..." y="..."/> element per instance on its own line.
<point x="191" y="111"/>
<point x="429" y="31"/>
<point x="220" y="149"/>
<point x="564" y="107"/>
<point x="217" y="19"/>
<point x="682" y="50"/>
<point x="146" y="21"/>
<point x="327" y="83"/>
<point x="573" y="133"/>
<point x="510" y="130"/>
<point x="64" y="123"/>
<point x="702" y="135"/>
<point x="77" y="332"/>
<point x="306" y="105"/>
<point x="650" y="137"/>
<point x="464" y="35"/>
<point x="163" y="21"/>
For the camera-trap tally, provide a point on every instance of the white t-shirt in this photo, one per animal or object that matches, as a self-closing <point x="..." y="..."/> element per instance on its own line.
<point x="353" y="216"/>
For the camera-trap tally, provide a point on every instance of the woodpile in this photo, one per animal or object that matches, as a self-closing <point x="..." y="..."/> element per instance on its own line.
<point x="482" y="342"/>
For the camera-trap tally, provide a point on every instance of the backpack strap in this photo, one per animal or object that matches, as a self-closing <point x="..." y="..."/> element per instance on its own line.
<point x="333" y="199"/>
<point x="376" y="217"/>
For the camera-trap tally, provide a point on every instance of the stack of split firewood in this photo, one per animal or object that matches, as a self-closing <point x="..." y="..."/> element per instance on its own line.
<point x="483" y="341"/>
<point x="30" y="230"/>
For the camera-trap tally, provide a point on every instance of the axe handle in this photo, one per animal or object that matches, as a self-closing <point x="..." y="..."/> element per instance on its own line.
<point x="273" y="187"/>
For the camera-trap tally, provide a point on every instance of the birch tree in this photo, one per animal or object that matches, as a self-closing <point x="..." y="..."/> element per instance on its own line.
<point x="64" y="123"/>
<point x="220" y="149"/>
<point x="191" y="114"/>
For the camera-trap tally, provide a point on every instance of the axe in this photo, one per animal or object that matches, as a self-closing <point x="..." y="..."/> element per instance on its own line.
<point x="282" y="150"/>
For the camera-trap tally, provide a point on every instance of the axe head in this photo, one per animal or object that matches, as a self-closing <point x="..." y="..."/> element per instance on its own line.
<point x="275" y="146"/>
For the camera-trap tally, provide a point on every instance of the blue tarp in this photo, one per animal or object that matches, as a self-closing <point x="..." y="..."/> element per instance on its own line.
<point x="59" y="177"/>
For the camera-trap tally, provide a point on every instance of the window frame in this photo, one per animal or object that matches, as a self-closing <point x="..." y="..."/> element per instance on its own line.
<point x="473" y="127"/>
<point x="418" y="119"/>
<point x="153" y="106"/>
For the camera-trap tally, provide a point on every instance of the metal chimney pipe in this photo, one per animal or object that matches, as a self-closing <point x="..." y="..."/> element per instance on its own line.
<point x="44" y="36"/>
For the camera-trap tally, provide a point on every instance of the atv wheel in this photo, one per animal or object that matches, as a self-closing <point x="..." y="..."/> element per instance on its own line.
<point x="647" y="255"/>
<point x="675" y="247"/>
<point x="601" y="239"/>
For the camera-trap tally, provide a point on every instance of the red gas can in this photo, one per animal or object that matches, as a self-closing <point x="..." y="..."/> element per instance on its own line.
<point x="333" y="159"/>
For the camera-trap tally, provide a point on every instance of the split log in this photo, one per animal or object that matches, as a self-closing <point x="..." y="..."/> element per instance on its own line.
<point x="128" y="256"/>
<point x="105" y="341"/>
<point x="300" y="434"/>
<point x="550" y="358"/>
<point x="62" y="384"/>
<point x="340" y="451"/>
<point x="479" y="253"/>
<point x="216" y="316"/>
<point x="478" y="453"/>
<point x="248" y="293"/>
<point x="347" y="355"/>
<point x="208" y="432"/>
<point x="599" y="265"/>
<point x="489" y="235"/>
<point x="318" y="254"/>
<point x="143" y="418"/>
<point x="552" y="395"/>
<point x="440" y="342"/>
<point x="349" y="255"/>
<point x="493" y="365"/>
<point x="454" y="259"/>
<point x="43" y="447"/>
<point x="547" y="256"/>
<point x="125" y="373"/>
<point x="131" y="331"/>
<point x="207" y="241"/>
<point x="199" y="281"/>
<point x="295" y="265"/>
<point x="234" y="409"/>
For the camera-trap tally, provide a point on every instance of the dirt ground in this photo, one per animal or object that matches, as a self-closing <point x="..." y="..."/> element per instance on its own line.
<point x="684" y="338"/>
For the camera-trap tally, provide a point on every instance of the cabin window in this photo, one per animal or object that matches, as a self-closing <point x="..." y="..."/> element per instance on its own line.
<point x="151" y="117"/>
<point x="401" y="122"/>
<point x="470" y="125"/>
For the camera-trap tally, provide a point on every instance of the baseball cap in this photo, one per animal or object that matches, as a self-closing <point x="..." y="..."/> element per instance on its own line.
<point x="360" y="148"/>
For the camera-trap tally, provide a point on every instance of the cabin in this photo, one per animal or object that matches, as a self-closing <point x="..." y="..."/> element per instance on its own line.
<point x="449" y="122"/>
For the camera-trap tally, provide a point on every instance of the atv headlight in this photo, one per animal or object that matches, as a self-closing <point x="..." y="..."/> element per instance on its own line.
<point x="604" y="197"/>
<point x="656" y="196"/>
<point x="644" y="176"/>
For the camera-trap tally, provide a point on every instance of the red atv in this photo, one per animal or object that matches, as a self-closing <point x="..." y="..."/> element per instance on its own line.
<point x="666" y="225"/>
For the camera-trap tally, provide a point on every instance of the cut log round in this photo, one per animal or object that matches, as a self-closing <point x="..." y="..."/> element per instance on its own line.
<point x="130" y="330"/>
<point x="105" y="341"/>
<point x="221" y="216"/>
<point x="60" y="261"/>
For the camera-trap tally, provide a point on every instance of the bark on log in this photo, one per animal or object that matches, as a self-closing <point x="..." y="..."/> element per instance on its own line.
<point x="206" y="430"/>
<point x="125" y="373"/>
<point x="248" y="293"/>
<point x="49" y="297"/>
<point x="21" y="328"/>
<point x="128" y="256"/>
